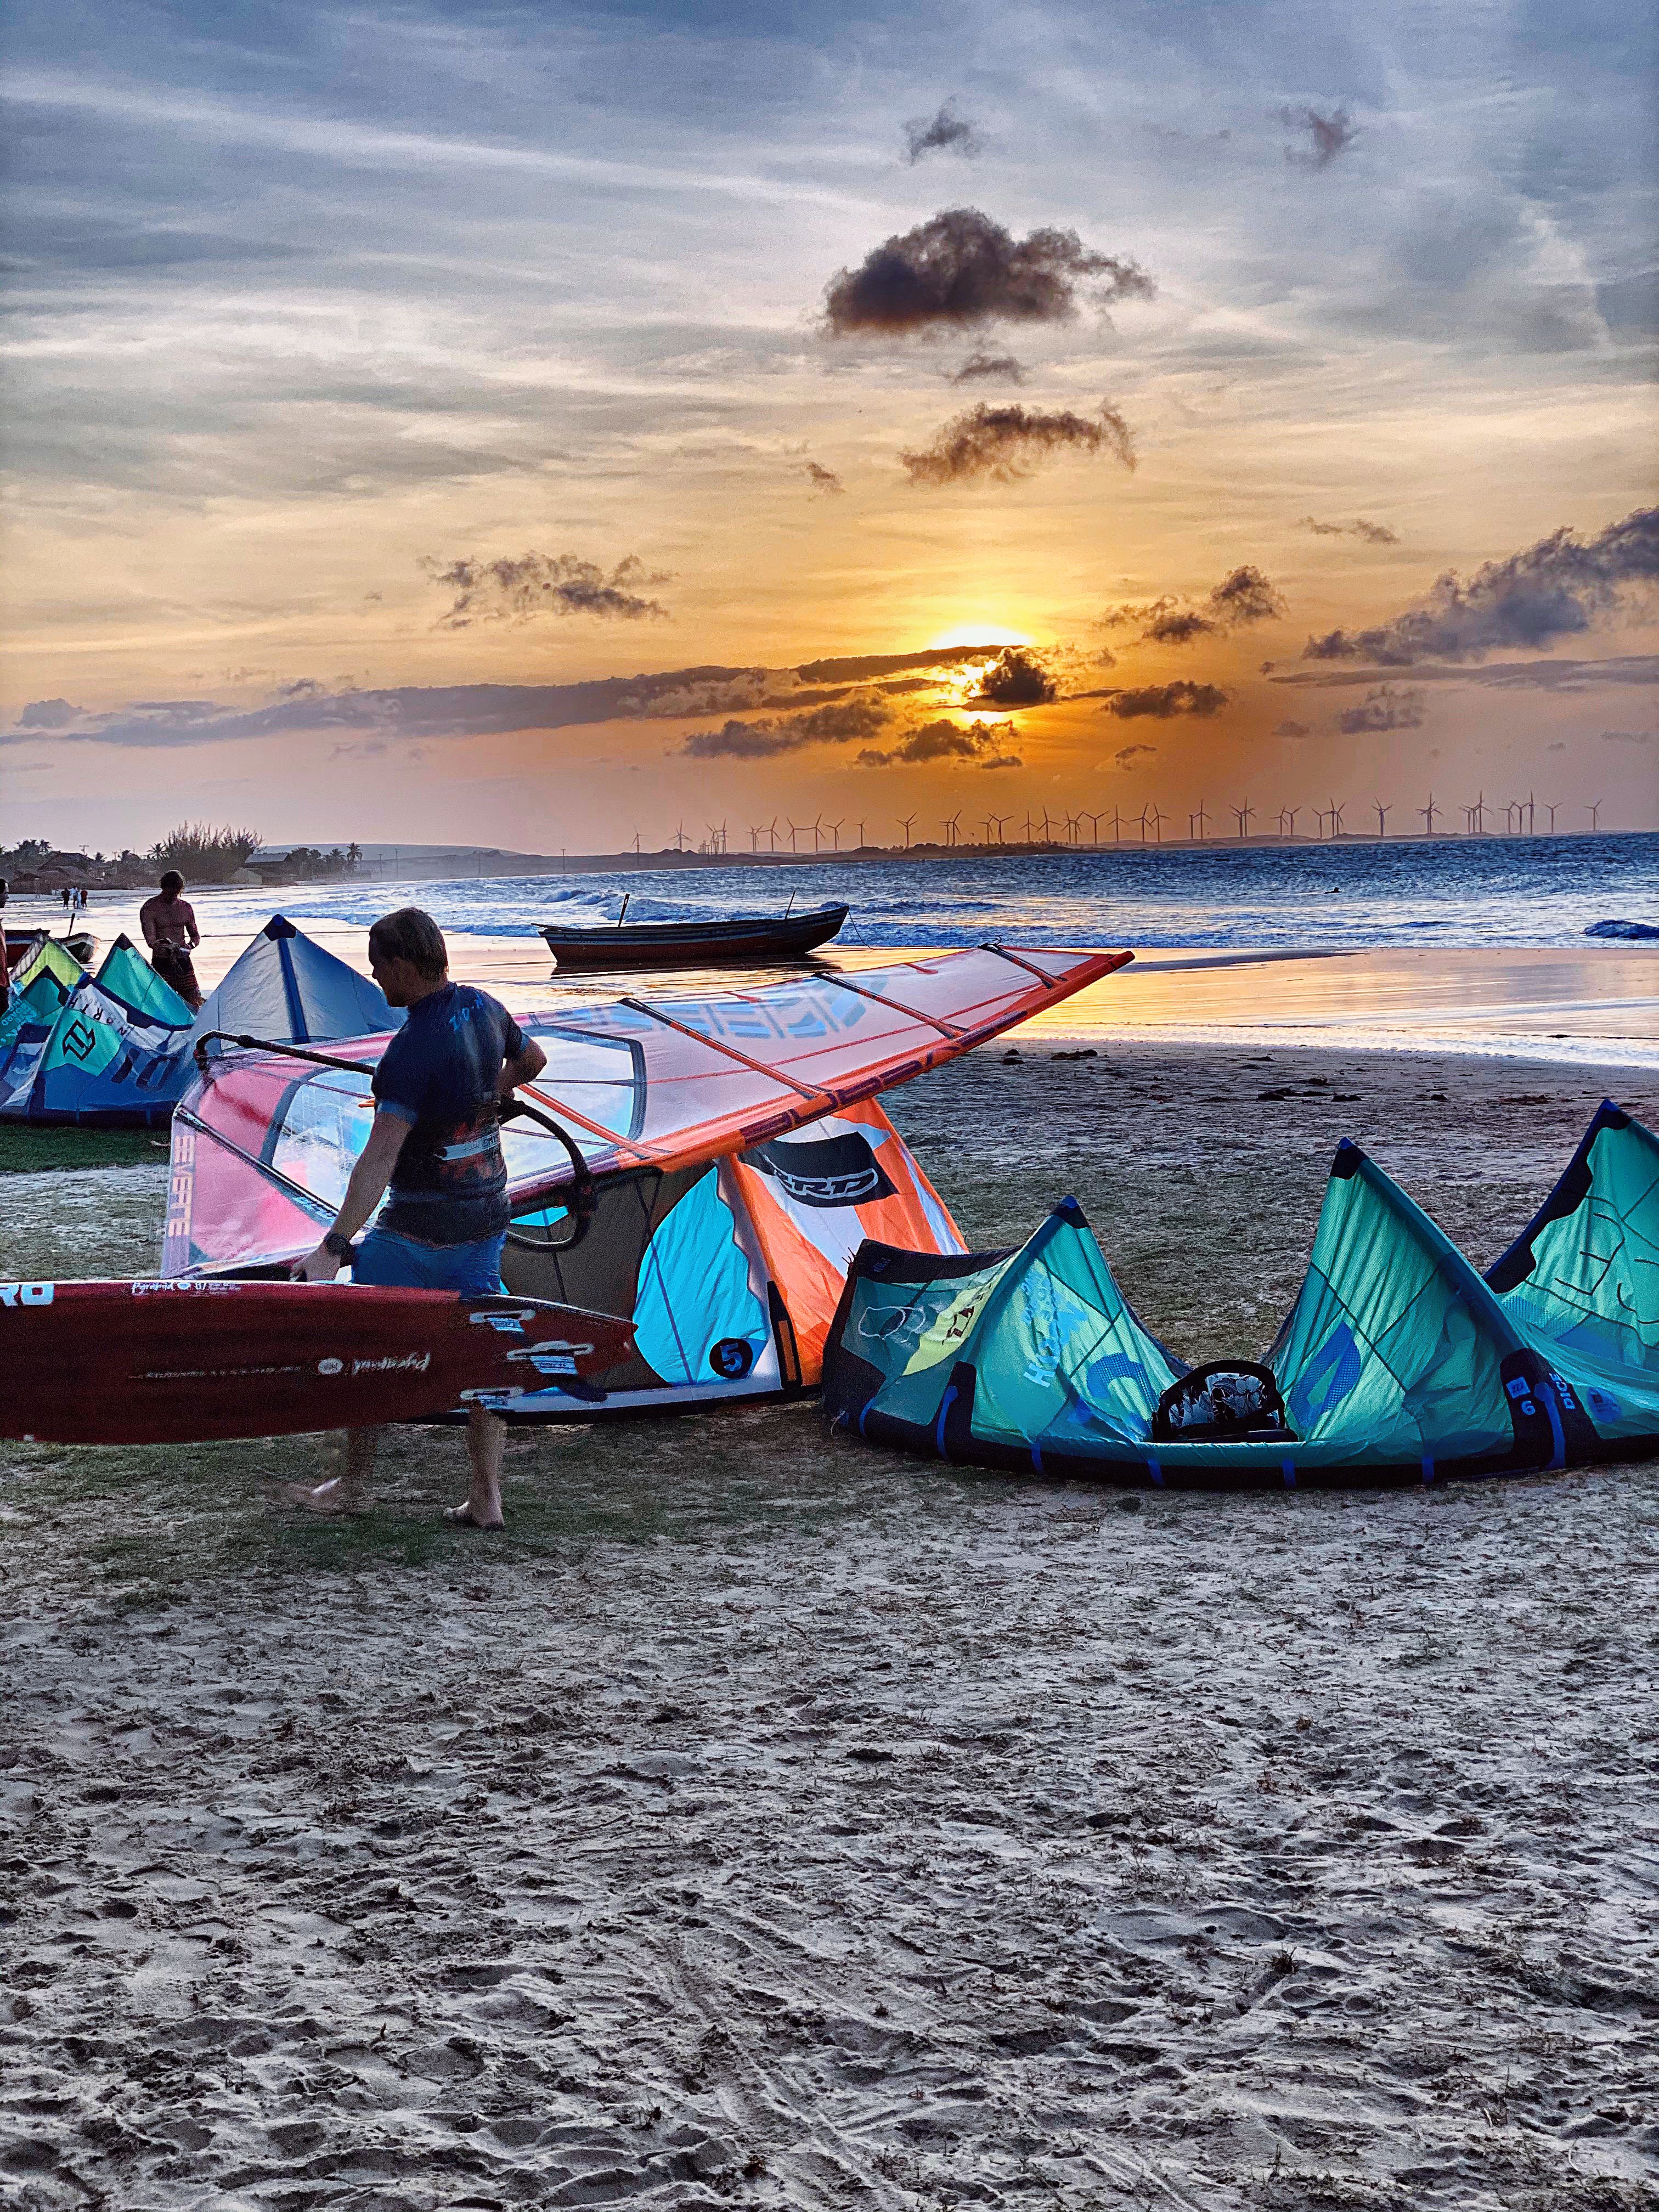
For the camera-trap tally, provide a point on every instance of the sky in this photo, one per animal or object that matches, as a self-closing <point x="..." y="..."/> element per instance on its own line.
<point x="546" y="427"/>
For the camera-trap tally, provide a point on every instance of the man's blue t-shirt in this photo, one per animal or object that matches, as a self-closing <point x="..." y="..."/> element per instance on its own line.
<point x="439" y="1074"/>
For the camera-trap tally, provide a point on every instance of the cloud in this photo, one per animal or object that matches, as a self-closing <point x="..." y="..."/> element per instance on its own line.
<point x="823" y="479"/>
<point x="1558" y="587"/>
<point x="1624" y="668"/>
<point x="981" y="744"/>
<point x="1171" y="626"/>
<point x="1328" y="136"/>
<point x="1245" y="596"/>
<point x="48" y="715"/>
<point x="959" y="268"/>
<point x="1292" y="728"/>
<point x="1374" y="533"/>
<point x="990" y="369"/>
<point x="1389" y="707"/>
<point x="1126" y="756"/>
<point x="516" y="590"/>
<point x="947" y="132"/>
<point x="1242" y="597"/>
<point x="1165" y="700"/>
<point x="1015" y="678"/>
<point x="722" y="694"/>
<point x="838" y="724"/>
<point x="1628" y="737"/>
<point x="1007" y="443"/>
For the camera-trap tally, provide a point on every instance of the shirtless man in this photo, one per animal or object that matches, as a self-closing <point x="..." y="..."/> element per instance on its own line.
<point x="168" y="921"/>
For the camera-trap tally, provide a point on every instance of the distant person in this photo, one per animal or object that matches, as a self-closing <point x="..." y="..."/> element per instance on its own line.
<point x="168" y="921"/>
<point x="435" y="1140"/>
<point x="64" y="896"/>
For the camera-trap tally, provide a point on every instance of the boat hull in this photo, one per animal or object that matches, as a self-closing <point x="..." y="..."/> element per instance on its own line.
<point x="694" y="945"/>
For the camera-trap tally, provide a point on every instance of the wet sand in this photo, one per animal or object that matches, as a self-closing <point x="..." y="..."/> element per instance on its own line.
<point x="774" y="1822"/>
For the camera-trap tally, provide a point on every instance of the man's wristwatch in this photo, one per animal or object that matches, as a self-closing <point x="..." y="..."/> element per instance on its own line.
<point x="338" y="1247"/>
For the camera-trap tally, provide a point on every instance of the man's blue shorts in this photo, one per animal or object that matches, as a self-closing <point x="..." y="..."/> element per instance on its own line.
<point x="393" y="1262"/>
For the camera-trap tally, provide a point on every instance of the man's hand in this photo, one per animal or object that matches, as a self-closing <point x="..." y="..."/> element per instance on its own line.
<point x="318" y="1266"/>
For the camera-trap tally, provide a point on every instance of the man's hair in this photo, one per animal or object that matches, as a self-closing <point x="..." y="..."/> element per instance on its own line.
<point x="410" y="934"/>
<point x="173" y="882"/>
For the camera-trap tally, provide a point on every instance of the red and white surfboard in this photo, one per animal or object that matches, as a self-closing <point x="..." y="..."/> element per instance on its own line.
<point x="166" y="1361"/>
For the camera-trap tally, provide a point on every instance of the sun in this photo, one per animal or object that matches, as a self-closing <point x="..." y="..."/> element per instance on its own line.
<point x="975" y="632"/>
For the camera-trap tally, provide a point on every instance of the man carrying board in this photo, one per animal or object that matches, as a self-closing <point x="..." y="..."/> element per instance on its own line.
<point x="435" y="1144"/>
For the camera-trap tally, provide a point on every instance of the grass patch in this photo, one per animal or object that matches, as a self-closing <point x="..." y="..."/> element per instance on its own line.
<point x="27" y="1151"/>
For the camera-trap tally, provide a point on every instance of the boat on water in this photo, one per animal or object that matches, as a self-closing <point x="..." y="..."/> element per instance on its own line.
<point x="624" y="943"/>
<point x="79" y="945"/>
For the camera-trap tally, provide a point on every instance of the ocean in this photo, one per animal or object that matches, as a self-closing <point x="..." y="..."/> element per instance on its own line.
<point x="1488" y="891"/>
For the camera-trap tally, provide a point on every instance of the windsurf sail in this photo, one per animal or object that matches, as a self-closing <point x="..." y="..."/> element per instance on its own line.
<point x="1397" y="1359"/>
<point x="739" y="1151"/>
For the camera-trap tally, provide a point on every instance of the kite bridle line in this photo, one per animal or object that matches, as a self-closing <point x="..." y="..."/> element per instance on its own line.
<point x="584" y="1196"/>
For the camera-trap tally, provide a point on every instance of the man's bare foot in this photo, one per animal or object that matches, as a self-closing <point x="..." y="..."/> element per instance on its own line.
<point x="462" y="1516"/>
<point x="326" y="1498"/>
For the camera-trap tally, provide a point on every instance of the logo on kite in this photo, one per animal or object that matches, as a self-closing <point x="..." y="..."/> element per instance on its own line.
<point x="733" y="1356"/>
<point x="27" y="1294"/>
<point x="825" y="1171"/>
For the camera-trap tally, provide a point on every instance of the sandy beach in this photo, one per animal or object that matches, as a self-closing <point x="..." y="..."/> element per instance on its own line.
<point x="770" y="1820"/>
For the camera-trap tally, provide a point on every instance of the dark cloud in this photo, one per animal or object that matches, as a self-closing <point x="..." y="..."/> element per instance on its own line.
<point x="1326" y="136"/>
<point x="960" y="268"/>
<point x="721" y="694"/>
<point x="1015" y="678"/>
<point x="983" y="745"/>
<point x="1559" y="587"/>
<point x="1245" y="596"/>
<point x="1389" y="707"/>
<point x="947" y="132"/>
<point x="1241" y="598"/>
<point x="1628" y="737"/>
<point x="823" y="479"/>
<point x="990" y="369"/>
<point x="1374" y="533"/>
<point x="1125" y="756"/>
<point x="839" y="725"/>
<point x="1290" y="728"/>
<point x="1639" y="668"/>
<point x="857" y="668"/>
<point x="48" y="715"/>
<point x="1165" y="700"/>
<point x="516" y="590"/>
<point x="1007" y="443"/>
<point x="1171" y="626"/>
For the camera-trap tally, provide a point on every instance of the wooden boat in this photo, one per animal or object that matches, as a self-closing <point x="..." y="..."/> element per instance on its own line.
<point x="693" y="944"/>
<point x="79" y="945"/>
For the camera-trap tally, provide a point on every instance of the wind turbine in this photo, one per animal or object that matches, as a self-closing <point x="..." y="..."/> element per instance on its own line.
<point x="1429" y="812"/>
<point x="773" y="833"/>
<point x="836" y="829"/>
<point x="1288" y="814"/>
<point x="951" y="824"/>
<point x="1382" y="814"/>
<point x="1336" y="819"/>
<point x="1202" y="819"/>
<point x="1242" y="814"/>
<point x="679" y="838"/>
<point x="1593" y="810"/>
<point x="795" y="831"/>
<point x="906" y="823"/>
<point x="1158" y="820"/>
<point x="1117" y="826"/>
<point x="1553" y="811"/>
<point x="1477" y="814"/>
